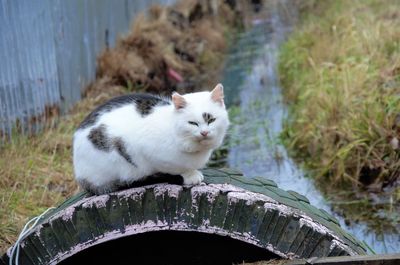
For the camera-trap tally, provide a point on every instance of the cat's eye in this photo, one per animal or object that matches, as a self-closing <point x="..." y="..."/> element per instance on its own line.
<point x="211" y="120"/>
<point x="193" y="123"/>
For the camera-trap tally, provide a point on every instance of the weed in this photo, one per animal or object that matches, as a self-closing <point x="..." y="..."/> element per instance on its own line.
<point x="340" y="73"/>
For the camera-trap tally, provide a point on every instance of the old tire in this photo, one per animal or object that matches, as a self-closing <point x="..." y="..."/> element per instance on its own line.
<point x="254" y="211"/>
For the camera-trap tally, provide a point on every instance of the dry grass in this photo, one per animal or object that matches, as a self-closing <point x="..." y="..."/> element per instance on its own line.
<point x="341" y="73"/>
<point x="36" y="172"/>
<point x="187" y="38"/>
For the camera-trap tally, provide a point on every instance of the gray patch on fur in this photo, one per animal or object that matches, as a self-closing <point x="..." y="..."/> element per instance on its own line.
<point x="208" y="118"/>
<point x="99" y="139"/>
<point x="144" y="104"/>
<point x="89" y="120"/>
<point x="121" y="149"/>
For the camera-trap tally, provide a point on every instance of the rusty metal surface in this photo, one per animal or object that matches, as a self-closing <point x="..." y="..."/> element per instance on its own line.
<point x="48" y="52"/>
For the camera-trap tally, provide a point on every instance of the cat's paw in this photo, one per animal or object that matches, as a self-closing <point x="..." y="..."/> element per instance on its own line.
<point x="192" y="177"/>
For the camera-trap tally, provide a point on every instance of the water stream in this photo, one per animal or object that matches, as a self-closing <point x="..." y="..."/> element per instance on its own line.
<point x="255" y="100"/>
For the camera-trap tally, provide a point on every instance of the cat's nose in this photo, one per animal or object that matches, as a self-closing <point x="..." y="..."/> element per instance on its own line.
<point x="204" y="133"/>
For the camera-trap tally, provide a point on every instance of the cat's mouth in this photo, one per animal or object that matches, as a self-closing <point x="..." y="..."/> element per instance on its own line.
<point x="205" y="140"/>
<point x="202" y="138"/>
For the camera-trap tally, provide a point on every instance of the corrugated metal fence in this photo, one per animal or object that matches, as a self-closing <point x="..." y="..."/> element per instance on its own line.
<point x="48" y="52"/>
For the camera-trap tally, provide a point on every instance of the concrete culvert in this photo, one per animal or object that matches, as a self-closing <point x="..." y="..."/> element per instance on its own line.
<point x="242" y="219"/>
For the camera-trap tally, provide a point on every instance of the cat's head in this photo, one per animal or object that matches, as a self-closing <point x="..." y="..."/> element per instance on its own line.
<point x="201" y="118"/>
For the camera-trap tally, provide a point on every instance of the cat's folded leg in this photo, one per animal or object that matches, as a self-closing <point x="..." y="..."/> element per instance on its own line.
<point x="192" y="177"/>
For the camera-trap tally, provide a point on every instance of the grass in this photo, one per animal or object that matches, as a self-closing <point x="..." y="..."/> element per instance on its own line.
<point x="341" y="76"/>
<point x="340" y="72"/>
<point x="36" y="171"/>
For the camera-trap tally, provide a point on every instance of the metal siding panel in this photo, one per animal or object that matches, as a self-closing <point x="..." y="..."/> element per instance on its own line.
<point x="27" y="65"/>
<point x="89" y="37"/>
<point x="6" y="67"/>
<point x="81" y="73"/>
<point x="119" y="22"/>
<point x="17" y="95"/>
<point x="51" y="74"/>
<point x="65" y="49"/>
<point x="48" y="50"/>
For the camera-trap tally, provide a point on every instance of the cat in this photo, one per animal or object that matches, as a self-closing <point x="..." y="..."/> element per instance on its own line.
<point x="134" y="136"/>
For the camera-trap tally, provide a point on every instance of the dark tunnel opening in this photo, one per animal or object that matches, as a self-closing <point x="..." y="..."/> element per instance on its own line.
<point x="171" y="247"/>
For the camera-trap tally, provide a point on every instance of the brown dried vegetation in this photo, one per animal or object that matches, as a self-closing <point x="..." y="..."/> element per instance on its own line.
<point x="186" y="39"/>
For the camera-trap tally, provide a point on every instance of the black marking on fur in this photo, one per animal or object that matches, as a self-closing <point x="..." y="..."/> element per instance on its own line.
<point x="208" y="118"/>
<point x="144" y="104"/>
<point x="118" y="185"/>
<point x="98" y="136"/>
<point x="121" y="149"/>
<point x="99" y="139"/>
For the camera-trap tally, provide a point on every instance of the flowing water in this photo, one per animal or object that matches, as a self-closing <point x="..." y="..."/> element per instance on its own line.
<point x="255" y="100"/>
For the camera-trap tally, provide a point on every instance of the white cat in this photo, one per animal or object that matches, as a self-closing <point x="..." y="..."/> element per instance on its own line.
<point x="134" y="136"/>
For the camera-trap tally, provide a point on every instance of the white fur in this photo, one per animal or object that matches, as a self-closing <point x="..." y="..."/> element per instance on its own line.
<point x="162" y="141"/>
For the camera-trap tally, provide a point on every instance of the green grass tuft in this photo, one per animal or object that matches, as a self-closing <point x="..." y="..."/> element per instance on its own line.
<point x="341" y="75"/>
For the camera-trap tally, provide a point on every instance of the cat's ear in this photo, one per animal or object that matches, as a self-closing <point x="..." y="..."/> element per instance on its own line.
<point x="178" y="100"/>
<point x="217" y="94"/>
